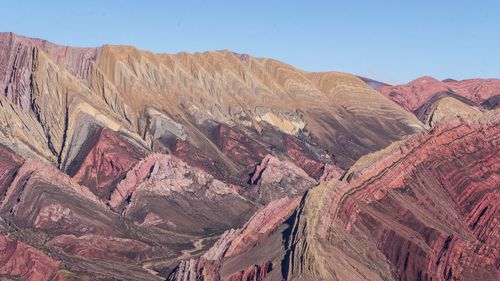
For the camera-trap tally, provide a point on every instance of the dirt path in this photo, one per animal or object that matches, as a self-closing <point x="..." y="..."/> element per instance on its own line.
<point x="198" y="245"/>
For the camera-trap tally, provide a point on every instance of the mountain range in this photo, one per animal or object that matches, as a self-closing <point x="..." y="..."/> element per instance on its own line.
<point x="122" y="164"/>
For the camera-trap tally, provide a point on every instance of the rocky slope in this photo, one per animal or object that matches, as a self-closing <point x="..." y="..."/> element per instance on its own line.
<point x="422" y="209"/>
<point x="208" y="103"/>
<point x="121" y="164"/>
<point x="19" y="259"/>
<point x="160" y="212"/>
<point x="114" y="155"/>
<point x="419" y="91"/>
<point x="446" y="106"/>
<point x="432" y="100"/>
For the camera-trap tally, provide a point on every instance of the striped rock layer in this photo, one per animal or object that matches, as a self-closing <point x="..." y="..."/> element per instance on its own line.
<point x="121" y="164"/>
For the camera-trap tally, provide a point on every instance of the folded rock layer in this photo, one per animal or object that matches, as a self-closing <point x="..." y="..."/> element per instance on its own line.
<point x="425" y="208"/>
<point x="121" y="164"/>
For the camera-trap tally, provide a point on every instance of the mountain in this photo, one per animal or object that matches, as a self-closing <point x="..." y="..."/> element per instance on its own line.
<point x="424" y="208"/>
<point x="419" y="91"/>
<point x="122" y="164"/>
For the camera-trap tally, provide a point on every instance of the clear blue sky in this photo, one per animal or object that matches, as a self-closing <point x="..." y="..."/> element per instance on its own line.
<point x="393" y="41"/>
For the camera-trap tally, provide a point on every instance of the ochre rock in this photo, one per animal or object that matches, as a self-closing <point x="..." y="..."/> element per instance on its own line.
<point x="159" y="97"/>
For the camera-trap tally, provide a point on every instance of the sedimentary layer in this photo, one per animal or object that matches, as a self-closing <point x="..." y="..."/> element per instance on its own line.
<point x="121" y="164"/>
<point x="417" y="92"/>
<point x="423" y="208"/>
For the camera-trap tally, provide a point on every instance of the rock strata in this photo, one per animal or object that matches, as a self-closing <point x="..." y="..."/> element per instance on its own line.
<point x="122" y="164"/>
<point x="414" y="94"/>
<point x="423" y="208"/>
<point x="22" y="261"/>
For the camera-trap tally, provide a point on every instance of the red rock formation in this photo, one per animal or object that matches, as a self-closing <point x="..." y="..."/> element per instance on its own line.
<point x="261" y="224"/>
<point x="19" y="260"/>
<point x="239" y="147"/>
<point x="164" y="191"/>
<point x="423" y="209"/>
<point x="196" y="158"/>
<point x="312" y="166"/>
<point x="414" y="94"/>
<point x="107" y="163"/>
<point x="47" y="204"/>
<point x="241" y="151"/>
<point x="252" y="273"/>
<point x="241" y="132"/>
<point x="274" y="178"/>
<point x="477" y="90"/>
<point x="331" y="172"/>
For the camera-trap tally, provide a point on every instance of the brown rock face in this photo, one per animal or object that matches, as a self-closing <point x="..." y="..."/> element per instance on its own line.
<point x="197" y="98"/>
<point x="100" y="247"/>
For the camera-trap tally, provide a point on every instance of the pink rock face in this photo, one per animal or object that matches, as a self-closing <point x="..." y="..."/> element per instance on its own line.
<point x="428" y="207"/>
<point x="23" y="261"/>
<point x="165" y="192"/>
<point x="477" y="90"/>
<point x="274" y="178"/>
<point x="417" y="92"/>
<point x="253" y="272"/>
<point x="331" y="172"/>
<point x="42" y="197"/>
<point x="152" y="168"/>
<point x="261" y="224"/>
<point x="313" y="167"/>
<point x="35" y="169"/>
<point x="238" y="147"/>
<point x="107" y="163"/>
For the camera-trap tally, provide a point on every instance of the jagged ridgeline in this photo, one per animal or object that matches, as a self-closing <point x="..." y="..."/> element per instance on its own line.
<point x="122" y="164"/>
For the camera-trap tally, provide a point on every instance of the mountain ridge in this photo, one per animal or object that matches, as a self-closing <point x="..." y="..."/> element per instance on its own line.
<point x="119" y="163"/>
